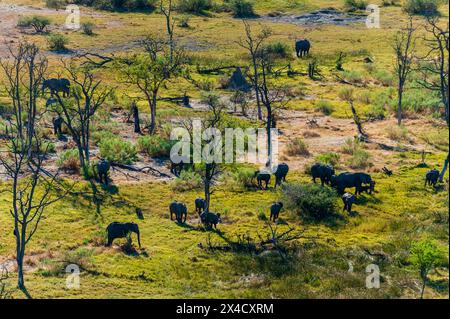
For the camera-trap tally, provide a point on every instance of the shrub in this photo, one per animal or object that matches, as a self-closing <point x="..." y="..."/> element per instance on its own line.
<point x="39" y="23"/>
<point x="183" y="21"/>
<point x="354" y="5"/>
<point x="324" y="107"/>
<point x="278" y="50"/>
<point x="55" y="4"/>
<point x="242" y="9"/>
<point x="329" y="158"/>
<point x="384" y="77"/>
<point x="194" y="6"/>
<point x="244" y="177"/>
<point x="310" y="201"/>
<point x="422" y="7"/>
<point x="360" y="159"/>
<point x="350" y="145"/>
<point x="397" y="133"/>
<point x="297" y="147"/>
<point x="154" y="146"/>
<point x="88" y="28"/>
<point x="117" y="150"/>
<point x="69" y="160"/>
<point x="57" y="42"/>
<point x="187" y="181"/>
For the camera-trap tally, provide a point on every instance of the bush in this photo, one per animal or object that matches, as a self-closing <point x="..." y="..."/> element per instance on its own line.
<point x="117" y="150"/>
<point x="360" y="159"/>
<point x="422" y="7"/>
<point x="154" y="146"/>
<point x="354" y="5"/>
<point x="329" y="158"/>
<point x="194" y="6"/>
<point x="397" y="133"/>
<point x="384" y="77"/>
<point x="324" y="107"/>
<point x="57" y="42"/>
<point x="183" y="21"/>
<point x="278" y="50"/>
<point x="187" y="181"/>
<point x="55" y="4"/>
<point x="88" y="28"/>
<point x="297" y="147"/>
<point x="69" y="160"/>
<point x="39" y="23"/>
<point x="244" y="177"/>
<point x="310" y="201"/>
<point x="242" y="9"/>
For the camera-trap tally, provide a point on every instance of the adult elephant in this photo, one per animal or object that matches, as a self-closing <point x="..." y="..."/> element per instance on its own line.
<point x="103" y="168"/>
<point x="302" y="48"/>
<point x="179" y="210"/>
<point x="324" y="172"/>
<point x="349" y="180"/>
<point x="122" y="230"/>
<point x="56" y="86"/>
<point x="281" y="173"/>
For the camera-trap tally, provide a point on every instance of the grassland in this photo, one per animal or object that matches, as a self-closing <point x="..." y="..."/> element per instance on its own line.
<point x="174" y="261"/>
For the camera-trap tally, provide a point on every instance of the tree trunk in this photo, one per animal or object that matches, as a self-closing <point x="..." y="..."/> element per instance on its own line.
<point x="423" y="289"/>
<point x="399" y="106"/>
<point x="152" y="126"/>
<point x="256" y="88"/>
<point x="269" y="135"/>
<point x="137" y="125"/>
<point x="444" y="169"/>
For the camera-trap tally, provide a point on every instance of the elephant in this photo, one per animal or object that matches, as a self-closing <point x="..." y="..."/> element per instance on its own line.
<point x="432" y="178"/>
<point x="275" y="211"/>
<point x="302" y="48"/>
<point x="179" y="210"/>
<point x="103" y="167"/>
<point x="200" y="205"/>
<point x="56" y="86"/>
<point x="57" y="125"/>
<point x="367" y="188"/>
<point x="324" y="172"/>
<point x="122" y="230"/>
<point x="281" y="173"/>
<point x="210" y="219"/>
<point x="348" y="180"/>
<point x="262" y="177"/>
<point x="349" y="200"/>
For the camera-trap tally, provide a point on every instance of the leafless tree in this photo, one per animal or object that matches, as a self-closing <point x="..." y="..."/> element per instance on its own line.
<point x="77" y="111"/>
<point x="273" y="98"/>
<point x="166" y="10"/>
<point x="33" y="188"/>
<point x="435" y="66"/>
<point x="212" y="167"/>
<point x="404" y="46"/>
<point x="253" y="44"/>
<point x="348" y="96"/>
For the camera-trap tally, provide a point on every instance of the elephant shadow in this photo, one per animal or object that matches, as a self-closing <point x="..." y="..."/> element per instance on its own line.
<point x="110" y="189"/>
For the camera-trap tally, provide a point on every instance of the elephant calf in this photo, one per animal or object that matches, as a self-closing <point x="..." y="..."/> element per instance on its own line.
<point x="179" y="210"/>
<point x="122" y="230"/>
<point x="210" y="219"/>
<point x="275" y="211"/>
<point x="432" y="178"/>
<point x="262" y="177"/>
<point x="103" y="167"/>
<point x="349" y="200"/>
<point x="200" y="205"/>
<point x="57" y="125"/>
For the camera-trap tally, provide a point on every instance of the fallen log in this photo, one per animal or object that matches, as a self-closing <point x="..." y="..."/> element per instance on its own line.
<point x="145" y="169"/>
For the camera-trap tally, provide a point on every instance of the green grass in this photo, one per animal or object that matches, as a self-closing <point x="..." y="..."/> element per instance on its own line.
<point x="172" y="265"/>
